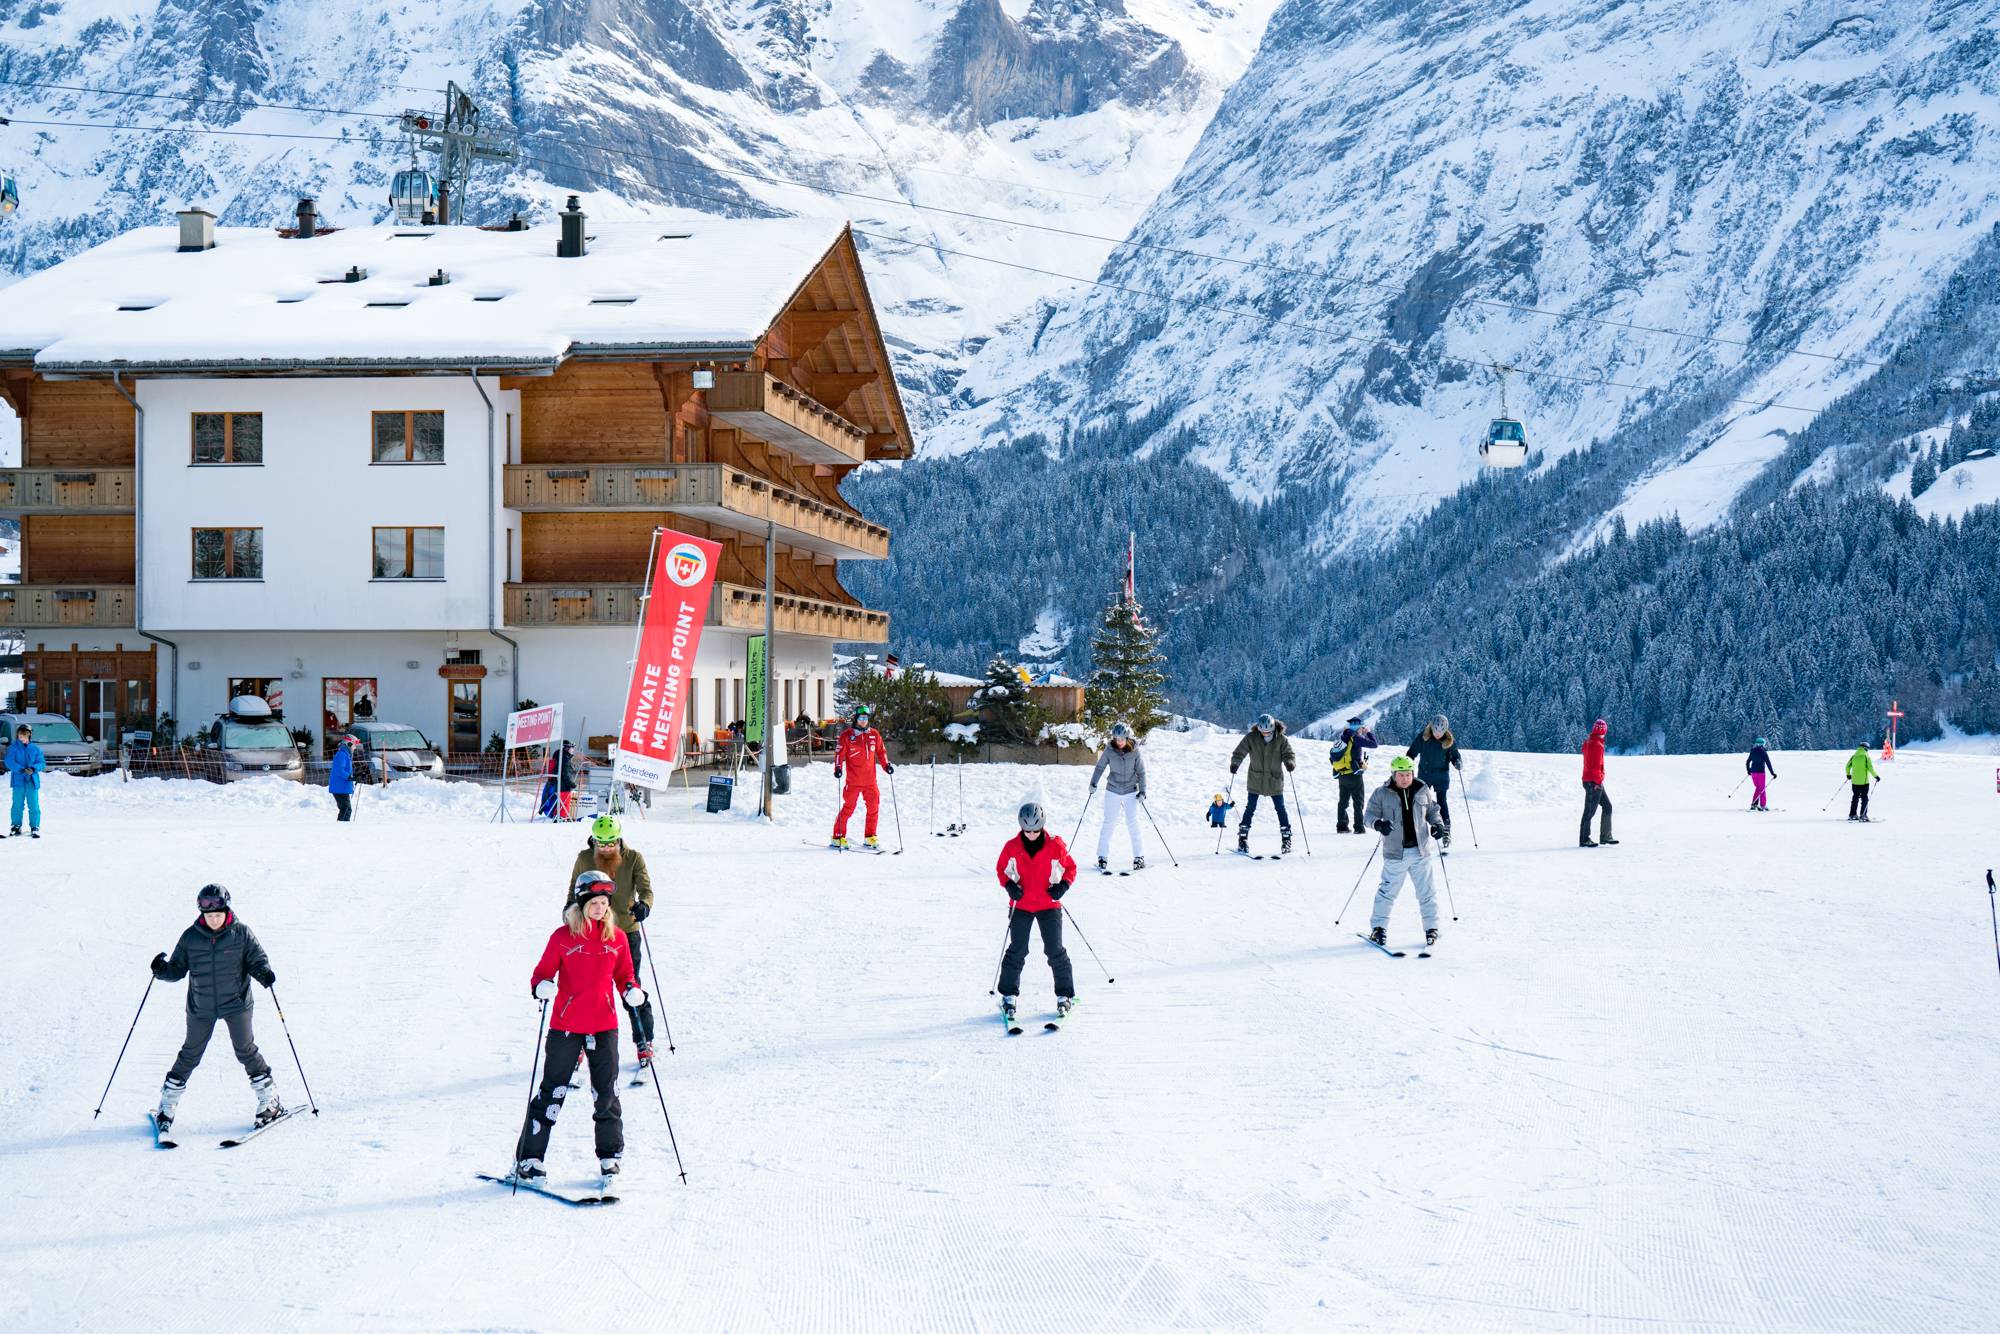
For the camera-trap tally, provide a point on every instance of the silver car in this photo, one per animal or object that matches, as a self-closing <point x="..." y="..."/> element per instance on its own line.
<point x="405" y="750"/>
<point x="63" y="747"/>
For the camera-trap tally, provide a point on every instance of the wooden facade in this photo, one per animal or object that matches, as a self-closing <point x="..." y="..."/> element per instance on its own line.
<point x="100" y="690"/>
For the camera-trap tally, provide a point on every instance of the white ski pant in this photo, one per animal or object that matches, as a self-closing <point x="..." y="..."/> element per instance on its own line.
<point x="1393" y="870"/>
<point x="1116" y="806"/>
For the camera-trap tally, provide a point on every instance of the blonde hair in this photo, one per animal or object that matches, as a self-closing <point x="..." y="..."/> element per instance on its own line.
<point x="573" y="915"/>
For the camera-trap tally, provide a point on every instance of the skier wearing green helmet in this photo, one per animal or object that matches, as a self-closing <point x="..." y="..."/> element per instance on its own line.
<point x="631" y="904"/>
<point x="1405" y="813"/>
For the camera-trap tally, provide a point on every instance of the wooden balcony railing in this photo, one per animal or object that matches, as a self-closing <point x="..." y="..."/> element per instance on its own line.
<point x="65" y="491"/>
<point x="780" y="415"/>
<point x="49" y="606"/>
<point x="713" y="491"/>
<point x="733" y="606"/>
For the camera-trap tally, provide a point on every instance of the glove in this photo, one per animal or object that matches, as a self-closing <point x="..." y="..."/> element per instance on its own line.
<point x="641" y="910"/>
<point x="634" y="997"/>
<point x="1233" y="768"/>
<point x="1014" y="890"/>
<point x="836" y="773"/>
<point x="1382" y="828"/>
<point x="1058" y="889"/>
<point x="888" y="768"/>
<point x="266" y="977"/>
<point x="545" y="990"/>
<point x="159" y="965"/>
<point x="1437" y="831"/>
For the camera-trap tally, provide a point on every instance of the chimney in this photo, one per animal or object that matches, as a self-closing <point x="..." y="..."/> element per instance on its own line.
<point x="197" y="230"/>
<point x="517" y="223"/>
<point x="570" y="246"/>
<point x="440" y="278"/>
<point x="308" y="219"/>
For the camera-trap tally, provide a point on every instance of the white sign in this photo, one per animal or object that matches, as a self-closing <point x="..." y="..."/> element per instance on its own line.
<point x="541" y="726"/>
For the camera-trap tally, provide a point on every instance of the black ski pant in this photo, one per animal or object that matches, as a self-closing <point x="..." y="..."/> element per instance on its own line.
<point x="345" y="805"/>
<point x="201" y="1027"/>
<point x="642" y="1018"/>
<point x="1018" y="927"/>
<point x="1353" y="788"/>
<point x="1250" y="811"/>
<point x="557" y="1063"/>
<point x="1857" y="805"/>
<point x="1594" y="800"/>
<point x="1442" y="791"/>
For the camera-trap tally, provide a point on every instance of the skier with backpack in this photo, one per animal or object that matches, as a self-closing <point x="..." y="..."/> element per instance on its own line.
<point x="1270" y="754"/>
<point x="584" y="965"/>
<point x="1861" y="772"/>
<point x="1405" y="813"/>
<point x="1594" y="796"/>
<point x="857" y="755"/>
<point x="1436" y="754"/>
<point x="631" y="903"/>
<point x="1349" y="758"/>
<point x="1036" y="870"/>
<point x="1758" y="765"/>
<point x="1123" y="770"/>
<point x="219" y="956"/>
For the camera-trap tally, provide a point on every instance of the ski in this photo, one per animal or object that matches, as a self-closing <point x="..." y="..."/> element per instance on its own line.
<point x="1394" y="954"/>
<point x="574" y="1201"/>
<point x="1011" y="1021"/>
<point x="1052" y="1025"/>
<point x="255" y="1131"/>
<point x="161" y="1140"/>
<point x="829" y="847"/>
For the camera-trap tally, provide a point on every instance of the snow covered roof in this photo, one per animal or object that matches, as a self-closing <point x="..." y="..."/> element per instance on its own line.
<point x="676" y="285"/>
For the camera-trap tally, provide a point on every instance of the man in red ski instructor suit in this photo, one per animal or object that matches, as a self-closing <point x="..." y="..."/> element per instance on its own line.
<point x="857" y="755"/>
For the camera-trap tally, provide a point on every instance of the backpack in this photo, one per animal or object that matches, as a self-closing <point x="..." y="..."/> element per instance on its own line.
<point x="1343" y="759"/>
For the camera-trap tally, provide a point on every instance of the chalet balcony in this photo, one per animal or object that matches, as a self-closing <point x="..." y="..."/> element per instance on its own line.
<point x="65" y="491"/>
<point x="771" y="410"/>
<point x="732" y="606"/>
<point x="66" y="606"/>
<point x="714" y="492"/>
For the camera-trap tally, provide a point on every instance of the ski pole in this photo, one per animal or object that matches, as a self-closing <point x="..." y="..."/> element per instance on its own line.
<point x="933" y="814"/>
<point x="1357" y="882"/>
<point x="1836" y="793"/>
<point x="1108" y="978"/>
<point x="1739" y="784"/>
<point x="1300" y="802"/>
<point x="1995" y="914"/>
<point x="1223" y="828"/>
<point x="654" y="967"/>
<point x="961" y="791"/>
<point x="534" y="1070"/>
<point x="1080" y="814"/>
<point x="896" y="808"/>
<point x="1466" y="799"/>
<point x="149" y="993"/>
<point x="1447" y="888"/>
<point x="678" y="1164"/>
<point x="295" y="1050"/>
<point x="1156" y="831"/>
<point x="1006" y="939"/>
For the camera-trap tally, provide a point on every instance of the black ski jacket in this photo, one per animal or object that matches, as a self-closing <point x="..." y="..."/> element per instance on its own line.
<point x="218" y="966"/>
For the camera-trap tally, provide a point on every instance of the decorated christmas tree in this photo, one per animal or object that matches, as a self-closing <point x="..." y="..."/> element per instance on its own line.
<point x="1127" y="683"/>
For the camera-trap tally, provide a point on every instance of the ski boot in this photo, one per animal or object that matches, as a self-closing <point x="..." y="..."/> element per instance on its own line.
<point x="645" y="1055"/>
<point x="874" y="844"/>
<point x="1138" y="863"/>
<point x="269" y="1108"/>
<point x="170" y="1099"/>
<point x="1380" y="935"/>
<point x="1430" y="936"/>
<point x="838" y="844"/>
<point x="1607" y="842"/>
<point x="607" y="1167"/>
<point x="1586" y="842"/>
<point x="1242" y="839"/>
<point x="1104" y="865"/>
<point x="1284" y="842"/>
<point x="1008" y="1014"/>
<point x="529" y="1169"/>
<point x="1064" y="1005"/>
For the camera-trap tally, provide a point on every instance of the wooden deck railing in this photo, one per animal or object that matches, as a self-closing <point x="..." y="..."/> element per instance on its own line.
<point x="778" y="414"/>
<point x="82" y="606"/>
<point x="710" y="490"/>
<point x="65" y="490"/>
<point x="733" y="606"/>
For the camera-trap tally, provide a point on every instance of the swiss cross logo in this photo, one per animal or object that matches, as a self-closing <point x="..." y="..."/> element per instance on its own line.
<point x="686" y="564"/>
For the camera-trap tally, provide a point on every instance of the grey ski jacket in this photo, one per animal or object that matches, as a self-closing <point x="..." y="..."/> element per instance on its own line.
<point x="1123" y="771"/>
<point x="1385" y="803"/>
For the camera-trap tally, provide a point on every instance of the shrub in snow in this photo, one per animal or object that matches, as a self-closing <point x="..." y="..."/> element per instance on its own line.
<point x="1006" y="710"/>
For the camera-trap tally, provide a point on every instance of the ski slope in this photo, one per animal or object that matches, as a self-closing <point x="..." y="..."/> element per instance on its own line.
<point x="1737" y="1073"/>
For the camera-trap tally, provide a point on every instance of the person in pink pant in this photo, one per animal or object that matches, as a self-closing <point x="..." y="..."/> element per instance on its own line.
<point x="1758" y="765"/>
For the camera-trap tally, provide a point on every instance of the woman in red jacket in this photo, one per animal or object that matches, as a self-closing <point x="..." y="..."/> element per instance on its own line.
<point x="1036" y="870"/>
<point x="585" y="967"/>
<point x="1594" y="796"/>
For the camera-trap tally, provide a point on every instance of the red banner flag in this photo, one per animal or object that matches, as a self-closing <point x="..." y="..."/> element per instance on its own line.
<point x="656" y="703"/>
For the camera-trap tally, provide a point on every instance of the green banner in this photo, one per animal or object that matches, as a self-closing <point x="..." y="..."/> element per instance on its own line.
<point x="754" y="725"/>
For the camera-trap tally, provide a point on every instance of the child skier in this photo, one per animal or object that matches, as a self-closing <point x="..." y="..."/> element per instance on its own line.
<point x="25" y="767"/>
<point x="1758" y="765"/>
<point x="1123" y="770"/>
<point x="218" y="955"/>
<point x="631" y="904"/>
<point x="1405" y="813"/>
<point x="585" y="964"/>
<point x="1349" y="758"/>
<point x="1860" y="772"/>
<point x="1036" y="870"/>
<point x="857" y="755"/>
<point x="1218" y="811"/>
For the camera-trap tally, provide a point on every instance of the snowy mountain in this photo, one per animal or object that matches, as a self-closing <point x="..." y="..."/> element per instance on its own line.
<point x="1052" y="109"/>
<point x="1392" y="195"/>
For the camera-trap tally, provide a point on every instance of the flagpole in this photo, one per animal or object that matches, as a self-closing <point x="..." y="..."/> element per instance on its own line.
<point x="631" y="665"/>
<point x="770" y="652"/>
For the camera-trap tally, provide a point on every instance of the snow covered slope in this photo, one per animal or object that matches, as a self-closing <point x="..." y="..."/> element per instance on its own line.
<point x="1048" y="109"/>
<point x="1388" y="181"/>
<point x="1734" y="1074"/>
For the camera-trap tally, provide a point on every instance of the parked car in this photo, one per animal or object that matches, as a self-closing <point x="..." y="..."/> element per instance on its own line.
<point x="408" y="753"/>
<point x="63" y="747"/>
<point x="251" y="741"/>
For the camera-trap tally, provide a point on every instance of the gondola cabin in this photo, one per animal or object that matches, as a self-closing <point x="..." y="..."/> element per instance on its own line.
<point x="10" y="193"/>
<point x="1505" y="445"/>
<point x="413" y="193"/>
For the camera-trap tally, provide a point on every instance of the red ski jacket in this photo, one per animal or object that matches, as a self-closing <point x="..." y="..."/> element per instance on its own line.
<point x="590" y="975"/>
<point x="857" y="756"/>
<point x="1593" y="755"/>
<point x="1034" y="871"/>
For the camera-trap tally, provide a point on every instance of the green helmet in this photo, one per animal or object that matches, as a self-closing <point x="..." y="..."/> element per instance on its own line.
<point x="1402" y="764"/>
<point x="605" y="829"/>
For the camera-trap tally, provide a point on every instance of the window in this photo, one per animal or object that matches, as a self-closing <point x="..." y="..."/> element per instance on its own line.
<point x="229" y="553"/>
<point x="409" y="553"/>
<point x="263" y="687"/>
<point x="228" y="437"/>
<point x="345" y="700"/>
<point x="463" y="718"/>
<point x="409" y="437"/>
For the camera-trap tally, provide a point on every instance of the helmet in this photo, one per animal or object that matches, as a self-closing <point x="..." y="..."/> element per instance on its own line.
<point x="1402" y="764"/>
<point x="862" y="711"/>
<point x="1760" y="741"/>
<point x="1032" y="817"/>
<point x="1219" y="798"/>
<point x="1265" y="722"/>
<point x="1120" y="732"/>
<point x="591" y="884"/>
<point x="605" y="829"/>
<point x="212" y="898"/>
<point x="1440" y="724"/>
